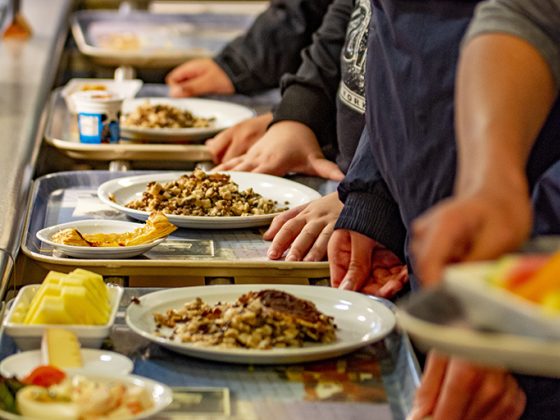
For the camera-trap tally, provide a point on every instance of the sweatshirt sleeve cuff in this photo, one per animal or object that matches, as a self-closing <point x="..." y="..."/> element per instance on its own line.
<point x="237" y="73"/>
<point x="375" y="217"/>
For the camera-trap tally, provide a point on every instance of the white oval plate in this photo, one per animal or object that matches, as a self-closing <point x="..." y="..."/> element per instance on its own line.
<point x="361" y="320"/>
<point x="226" y="114"/>
<point x="272" y="187"/>
<point x="95" y="362"/>
<point x="97" y="226"/>
<point x="161" y="395"/>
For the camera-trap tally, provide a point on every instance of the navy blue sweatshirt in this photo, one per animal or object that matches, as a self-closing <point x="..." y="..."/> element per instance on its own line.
<point x="410" y="73"/>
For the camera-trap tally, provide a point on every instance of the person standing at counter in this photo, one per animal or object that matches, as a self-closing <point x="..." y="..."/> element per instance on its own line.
<point x="322" y="107"/>
<point x="258" y="59"/>
<point x="251" y="63"/>
<point x="507" y="137"/>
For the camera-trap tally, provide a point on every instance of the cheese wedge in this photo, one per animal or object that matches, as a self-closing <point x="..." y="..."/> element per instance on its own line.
<point x="61" y="348"/>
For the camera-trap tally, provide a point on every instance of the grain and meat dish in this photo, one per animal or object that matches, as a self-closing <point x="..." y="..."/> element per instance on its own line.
<point x="162" y="115"/>
<point x="203" y="194"/>
<point x="256" y="320"/>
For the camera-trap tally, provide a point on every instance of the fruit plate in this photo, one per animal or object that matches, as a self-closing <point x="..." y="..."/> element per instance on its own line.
<point x="160" y="394"/>
<point x="493" y="308"/>
<point x="94" y="362"/>
<point x="360" y="319"/>
<point x="97" y="226"/>
<point x="117" y="192"/>
<point x="437" y="319"/>
<point x="28" y="337"/>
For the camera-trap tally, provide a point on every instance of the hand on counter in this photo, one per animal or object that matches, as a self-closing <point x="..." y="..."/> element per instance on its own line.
<point x="236" y="141"/>
<point x="361" y="264"/>
<point x="287" y="146"/>
<point x="305" y="230"/>
<point x="456" y="389"/>
<point x="198" y="77"/>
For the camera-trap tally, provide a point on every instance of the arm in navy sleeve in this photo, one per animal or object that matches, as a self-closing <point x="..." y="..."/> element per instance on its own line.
<point x="369" y="207"/>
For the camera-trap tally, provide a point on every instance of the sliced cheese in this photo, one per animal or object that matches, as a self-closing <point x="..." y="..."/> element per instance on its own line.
<point x="60" y="348"/>
<point x="80" y="297"/>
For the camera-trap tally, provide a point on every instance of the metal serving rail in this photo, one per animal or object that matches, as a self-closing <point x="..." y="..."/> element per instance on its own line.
<point x="28" y="68"/>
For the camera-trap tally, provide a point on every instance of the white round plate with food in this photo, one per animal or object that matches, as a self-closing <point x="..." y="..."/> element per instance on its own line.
<point x="153" y="395"/>
<point x="95" y="226"/>
<point x="94" y="362"/>
<point x="223" y="115"/>
<point x="360" y="320"/>
<point x="287" y="194"/>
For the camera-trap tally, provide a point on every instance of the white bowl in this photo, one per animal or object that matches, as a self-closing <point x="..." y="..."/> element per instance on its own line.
<point x="123" y="88"/>
<point x="97" y="226"/>
<point x="28" y="337"/>
<point x="161" y="394"/>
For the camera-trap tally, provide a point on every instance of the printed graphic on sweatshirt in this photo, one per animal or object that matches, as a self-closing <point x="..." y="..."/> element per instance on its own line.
<point x="353" y="60"/>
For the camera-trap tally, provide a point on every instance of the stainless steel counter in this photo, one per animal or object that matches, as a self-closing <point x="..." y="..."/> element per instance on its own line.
<point x="27" y="70"/>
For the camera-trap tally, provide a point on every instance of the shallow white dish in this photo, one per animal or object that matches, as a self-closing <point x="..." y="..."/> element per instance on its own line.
<point x="470" y="318"/>
<point x="161" y="395"/>
<point x="97" y="226"/>
<point x="361" y="320"/>
<point x="518" y="353"/>
<point x="94" y="362"/>
<point x="226" y="114"/>
<point x="275" y="188"/>
<point x="494" y="308"/>
<point x="123" y="88"/>
<point x="28" y="337"/>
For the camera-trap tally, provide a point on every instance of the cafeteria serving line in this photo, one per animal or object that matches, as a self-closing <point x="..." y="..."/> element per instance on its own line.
<point x="379" y="378"/>
<point x="130" y="268"/>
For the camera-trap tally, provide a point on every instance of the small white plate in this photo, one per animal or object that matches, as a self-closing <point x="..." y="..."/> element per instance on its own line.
<point x="470" y="318"/>
<point x="271" y="187"/>
<point x="161" y="395"/>
<point x="360" y="319"/>
<point x="95" y="362"/>
<point x="226" y="114"/>
<point x="97" y="226"/>
<point x="494" y="308"/>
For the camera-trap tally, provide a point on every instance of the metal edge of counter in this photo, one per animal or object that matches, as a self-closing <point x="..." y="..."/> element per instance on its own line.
<point x="26" y="160"/>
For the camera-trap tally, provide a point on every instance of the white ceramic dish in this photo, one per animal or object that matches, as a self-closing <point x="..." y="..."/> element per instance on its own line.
<point x="361" y="320"/>
<point x="94" y="362"/>
<point x="28" y="337"/>
<point x="494" y="308"/>
<point x="161" y="395"/>
<point x="123" y="88"/>
<point x="272" y="187"/>
<point x="97" y="226"/>
<point x="472" y="319"/>
<point x="518" y="353"/>
<point x="226" y="114"/>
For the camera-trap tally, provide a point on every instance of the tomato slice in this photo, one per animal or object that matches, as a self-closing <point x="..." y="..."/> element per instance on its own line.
<point x="44" y="376"/>
<point x="524" y="269"/>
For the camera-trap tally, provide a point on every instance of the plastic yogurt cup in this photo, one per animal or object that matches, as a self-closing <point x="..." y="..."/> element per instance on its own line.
<point x="99" y="113"/>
